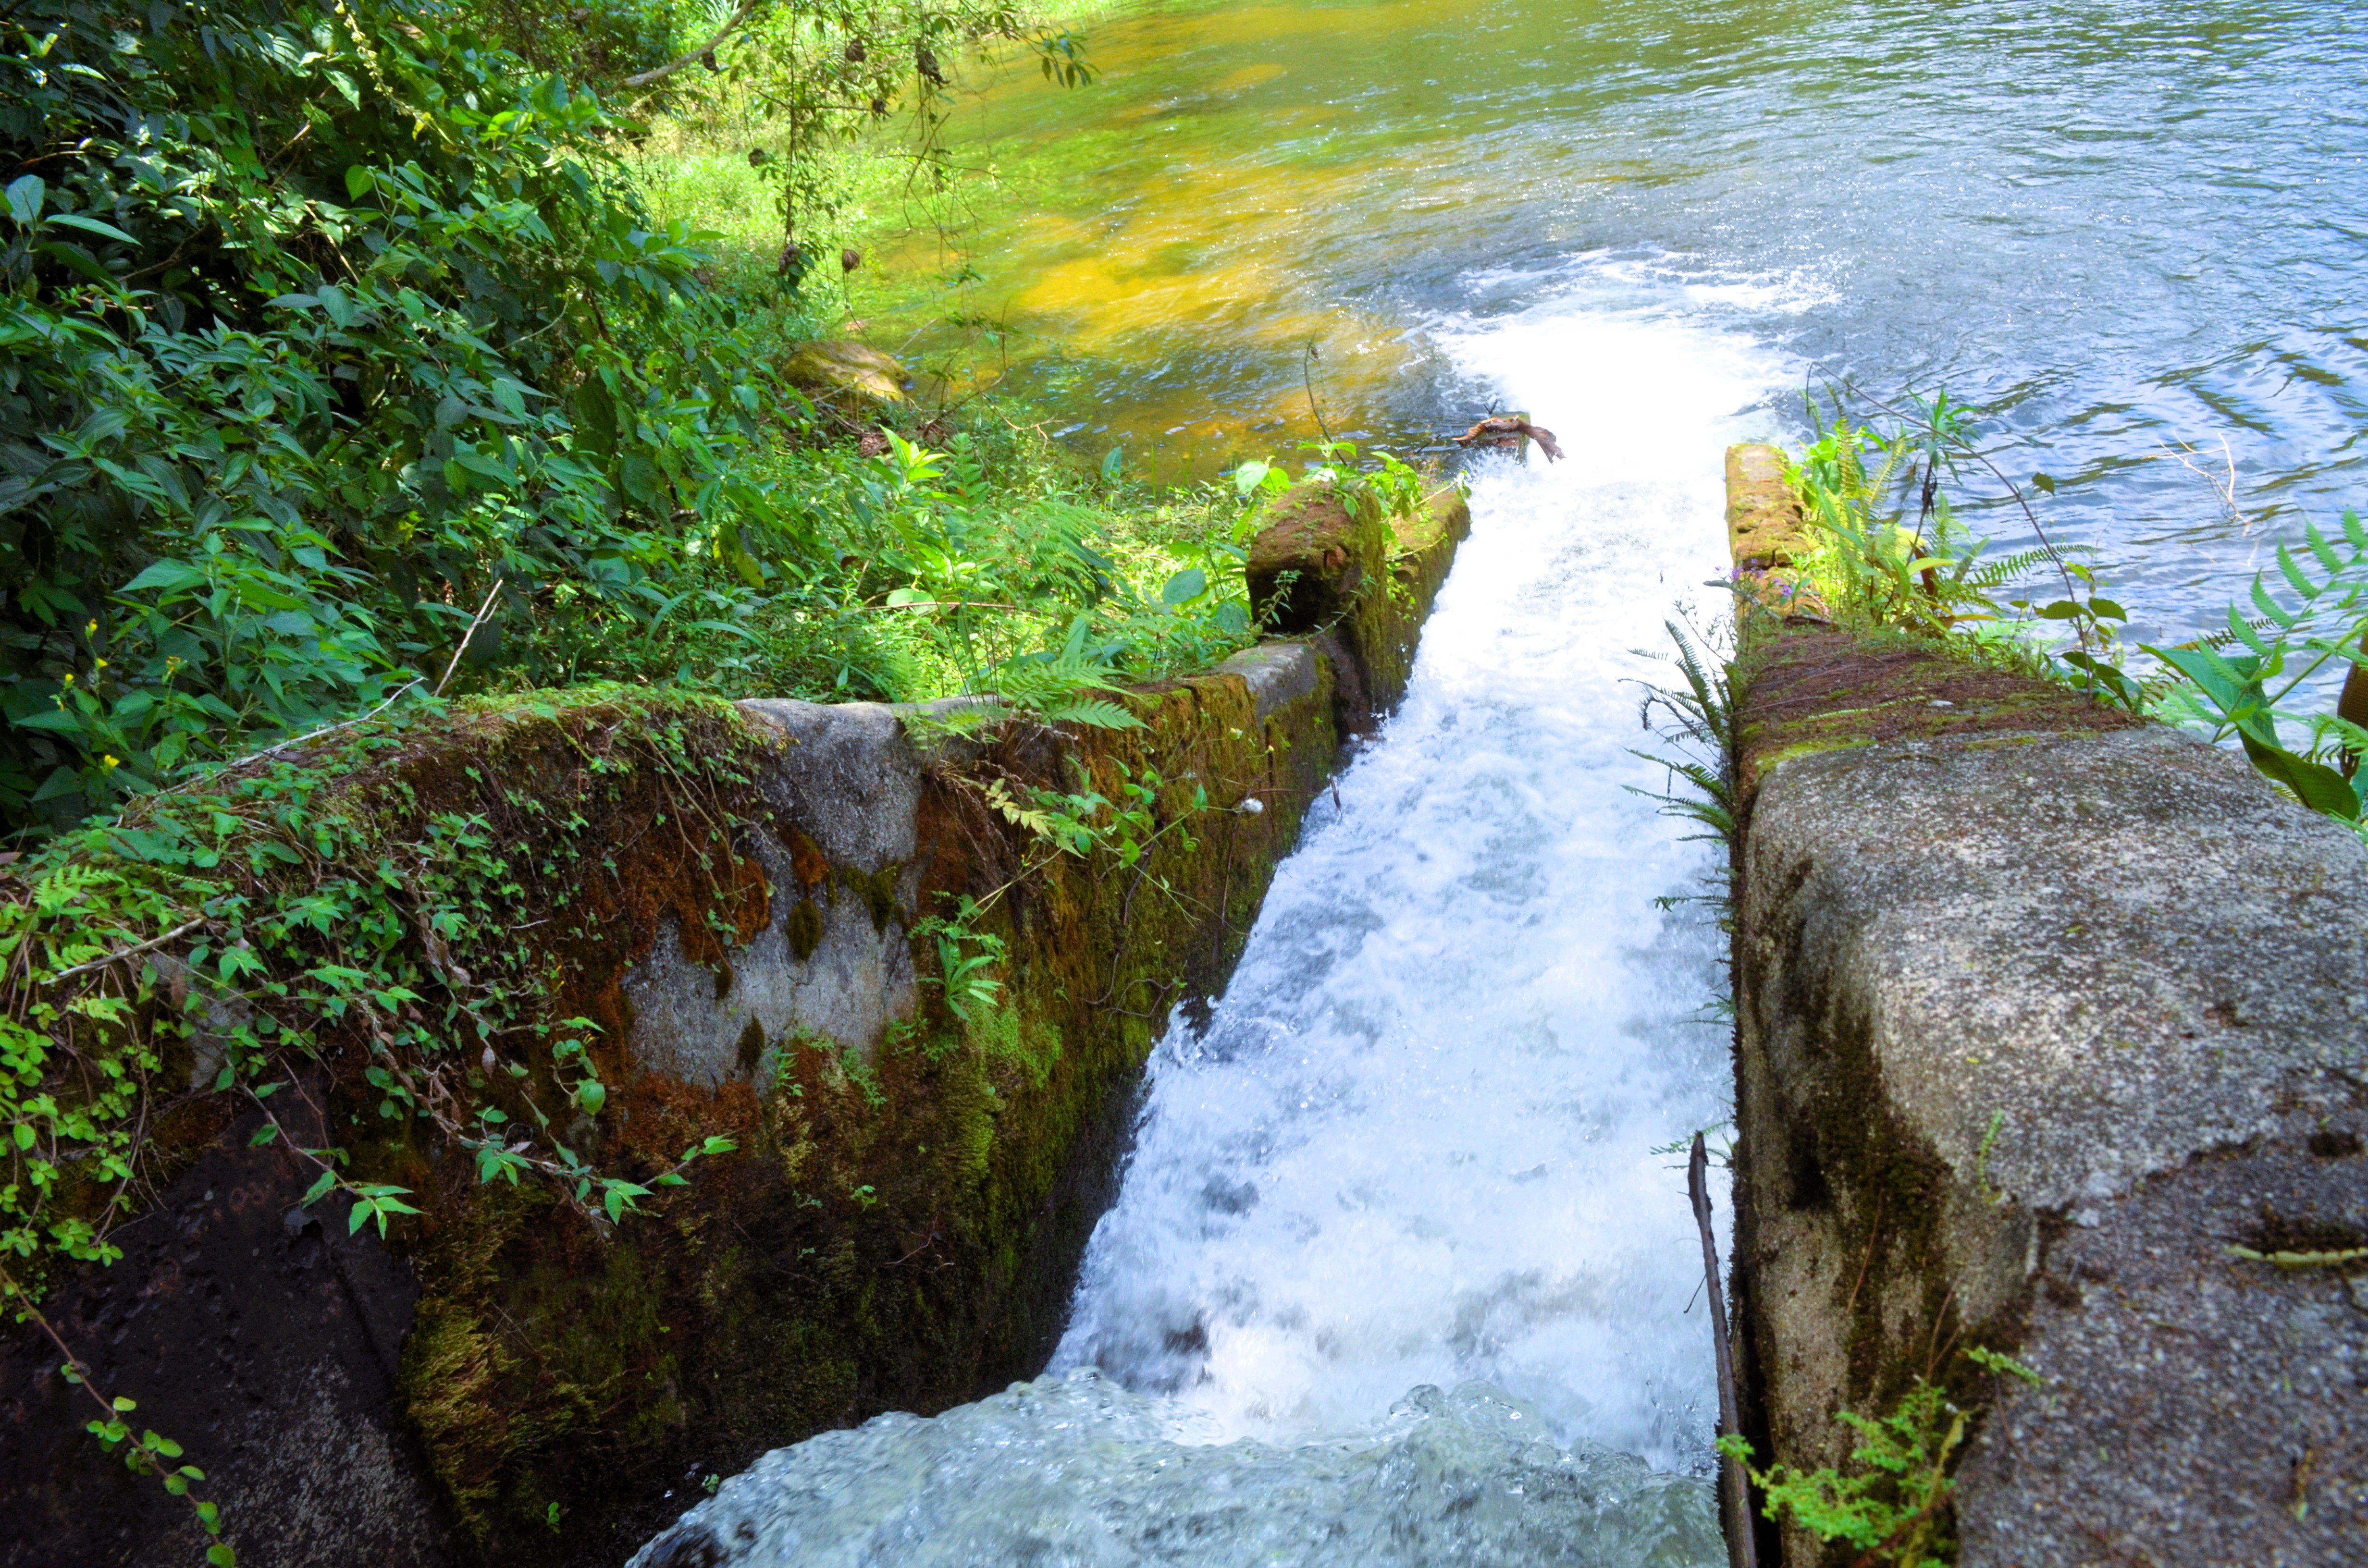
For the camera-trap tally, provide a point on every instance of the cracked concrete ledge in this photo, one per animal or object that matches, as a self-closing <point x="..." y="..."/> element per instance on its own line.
<point x="2033" y="1024"/>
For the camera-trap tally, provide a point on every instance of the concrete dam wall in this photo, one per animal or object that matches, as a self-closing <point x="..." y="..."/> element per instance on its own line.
<point x="2041" y="1011"/>
<point x="738" y="898"/>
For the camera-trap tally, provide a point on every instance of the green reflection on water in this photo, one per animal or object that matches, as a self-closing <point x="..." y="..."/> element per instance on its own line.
<point x="1160" y="249"/>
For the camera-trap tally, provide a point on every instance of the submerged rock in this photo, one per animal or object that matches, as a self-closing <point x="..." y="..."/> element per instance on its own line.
<point x="838" y="367"/>
<point x="1077" y="1472"/>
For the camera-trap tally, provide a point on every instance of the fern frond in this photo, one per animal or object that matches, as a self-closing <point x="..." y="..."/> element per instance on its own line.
<point x="1094" y="712"/>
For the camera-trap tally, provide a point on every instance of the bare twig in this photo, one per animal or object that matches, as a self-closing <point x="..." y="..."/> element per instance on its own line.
<point x="482" y="610"/>
<point x="1735" y="1487"/>
<point x="1307" y="379"/>
<point x="278" y="746"/>
<point x="1502" y="430"/>
<point x="2224" y="485"/>
<point x="944" y="603"/>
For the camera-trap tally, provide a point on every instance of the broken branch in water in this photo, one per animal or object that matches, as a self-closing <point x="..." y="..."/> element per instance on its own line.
<point x="1501" y="431"/>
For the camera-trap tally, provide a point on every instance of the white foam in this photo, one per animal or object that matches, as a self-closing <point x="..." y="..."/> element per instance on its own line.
<point x="1413" y="1144"/>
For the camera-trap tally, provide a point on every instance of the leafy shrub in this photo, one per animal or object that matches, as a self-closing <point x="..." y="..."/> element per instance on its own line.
<point x="314" y="325"/>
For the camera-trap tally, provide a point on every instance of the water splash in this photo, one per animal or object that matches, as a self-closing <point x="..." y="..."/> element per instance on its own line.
<point x="1077" y="1473"/>
<point x="1414" y="1143"/>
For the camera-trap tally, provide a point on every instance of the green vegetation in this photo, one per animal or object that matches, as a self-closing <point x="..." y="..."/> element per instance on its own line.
<point x="246" y="936"/>
<point x="399" y="401"/>
<point x="366" y="374"/>
<point x="342" y="350"/>
<point x="1872" y="570"/>
<point x="1895" y="1508"/>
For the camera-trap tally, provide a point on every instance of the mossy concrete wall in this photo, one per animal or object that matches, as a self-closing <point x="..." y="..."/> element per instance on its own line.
<point x="899" y="1227"/>
<point x="1356" y="585"/>
<point x="2040" y="1010"/>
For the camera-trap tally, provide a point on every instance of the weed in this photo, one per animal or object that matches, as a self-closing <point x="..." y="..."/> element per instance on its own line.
<point x="1894" y="1509"/>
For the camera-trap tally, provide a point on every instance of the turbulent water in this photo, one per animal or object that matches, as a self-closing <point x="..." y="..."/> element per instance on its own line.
<point x="1413" y="1147"/>
<point x="2119" y="227"/>
<point x="1077" y="1473"/>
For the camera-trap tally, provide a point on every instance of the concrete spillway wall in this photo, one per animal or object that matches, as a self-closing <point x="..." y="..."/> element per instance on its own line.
<point x="2040" y="1011"/>
<point x="732" y="894"/>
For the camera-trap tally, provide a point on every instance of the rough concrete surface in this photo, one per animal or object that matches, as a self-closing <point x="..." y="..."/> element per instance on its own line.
<point x="2129" y="944"/>
<point x="1277" y="674"/>
<point x="829" y="964"/>
<point x="2030" y="1027"/>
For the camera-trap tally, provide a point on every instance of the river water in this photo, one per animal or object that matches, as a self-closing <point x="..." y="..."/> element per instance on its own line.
<point x="1395" y="1274"/>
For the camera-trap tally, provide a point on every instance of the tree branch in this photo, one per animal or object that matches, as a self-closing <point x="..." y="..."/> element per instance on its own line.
<point x="1735" y="1489"/>
<point x="644" y="78"/>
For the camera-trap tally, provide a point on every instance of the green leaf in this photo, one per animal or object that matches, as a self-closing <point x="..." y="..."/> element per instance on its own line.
<point x="56" y="718"/>
<point x="1185" y="586"/>
<point x="92" y="225"/>
<point x="166" y="574"/>
<point x="2236" y="693"/>
<point x="1093" y="712"/>
<point x="591" y="1094"/>
<point x="2319" y="786"/>
<point x="358" y="181"/>
<point x="80" y="260"/>
<point x="25" y="198"/>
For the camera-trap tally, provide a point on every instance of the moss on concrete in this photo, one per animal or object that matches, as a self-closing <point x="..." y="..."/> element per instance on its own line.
<point x="891" y="1234"/>
<point x="2021" y="984"/>
<point x="1357" y="586"/>
<point x="1804" y="689"/>
<point x="899" y="1223"/>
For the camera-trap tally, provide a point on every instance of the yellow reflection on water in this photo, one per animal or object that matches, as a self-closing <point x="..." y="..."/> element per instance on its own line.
<point x="1144" y="245"/>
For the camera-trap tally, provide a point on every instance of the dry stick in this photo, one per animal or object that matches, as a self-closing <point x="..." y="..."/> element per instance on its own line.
<point x="1735" y="1489"/>
<point x="479" y="620"/>
<point x="1307" y="379"/>
<point x="127" y="952"/>
<point x="277" y="748"/>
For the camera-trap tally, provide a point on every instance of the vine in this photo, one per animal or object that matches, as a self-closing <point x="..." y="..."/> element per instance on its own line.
<point x="386" y="919"/>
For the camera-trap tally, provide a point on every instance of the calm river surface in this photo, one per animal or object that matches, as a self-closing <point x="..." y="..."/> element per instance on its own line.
<point x="1397" y="1273"/>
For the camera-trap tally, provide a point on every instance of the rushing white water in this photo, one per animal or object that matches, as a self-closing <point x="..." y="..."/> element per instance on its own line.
<point x="1413" y="1147"/>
